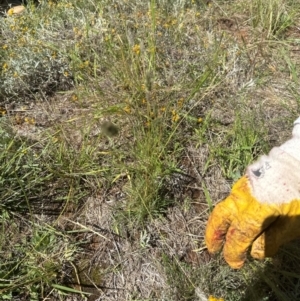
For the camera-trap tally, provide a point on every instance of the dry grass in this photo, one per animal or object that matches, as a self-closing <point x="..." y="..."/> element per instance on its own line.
<point x="123" y="123"/>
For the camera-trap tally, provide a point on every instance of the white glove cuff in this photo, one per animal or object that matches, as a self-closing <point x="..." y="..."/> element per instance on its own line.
<point x="275" y="178"/>
<point x="296" y="130"/>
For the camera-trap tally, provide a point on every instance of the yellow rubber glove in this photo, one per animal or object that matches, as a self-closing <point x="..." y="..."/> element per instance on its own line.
<point x="263" y="208"/>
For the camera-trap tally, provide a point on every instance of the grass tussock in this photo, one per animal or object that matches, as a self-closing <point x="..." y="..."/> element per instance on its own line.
<point x="122" y="123"/>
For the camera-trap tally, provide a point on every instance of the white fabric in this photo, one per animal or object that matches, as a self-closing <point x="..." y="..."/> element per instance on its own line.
<point x="276" y="178"/>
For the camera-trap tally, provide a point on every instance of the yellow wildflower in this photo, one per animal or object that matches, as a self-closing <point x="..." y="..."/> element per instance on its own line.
<point x="199" y="120"/>
<point x="180" y="102"/>
<point x="175" y="116"/>
<point x="29" y="120"/>
<point x="4" y="67"/>
<point x="74" y="97"/>
<point x="127" y="109"/>
<point x="84" y="64"/>
<point x="136" y="49"/>
<point x="3" y="111"/>
<point x="4" y="46"/>
<point x="77" y="31"/>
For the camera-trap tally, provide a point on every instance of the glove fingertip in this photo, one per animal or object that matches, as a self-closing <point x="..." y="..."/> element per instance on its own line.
<point x="217" y="226"/>
<point x="235" y="260"/>
<point x="236" y="264"/>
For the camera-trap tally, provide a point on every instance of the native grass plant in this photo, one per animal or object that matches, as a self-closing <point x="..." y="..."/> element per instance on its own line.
<point x="154" y="104"/>
<point x="272" y="16"/>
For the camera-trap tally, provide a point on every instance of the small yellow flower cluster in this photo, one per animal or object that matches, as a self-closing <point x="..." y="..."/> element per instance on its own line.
<point x="4" y="67"/>
<point x="74" y="97"/>
<point x="25" y="29"/>
<point x="127" y="109"/>
<point x="180" y="102"/>
<point x="175" y="116"/>
<point x="21" y="41"/>
<point x="136" y="49"/>
<point x="3" y="111"/>
<point x="84" y="65"/>
<point x="20" y="25"/>
<point x="29" y="120"/>
<point x="170" y="23"/>
<point x="77" y="32"/>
